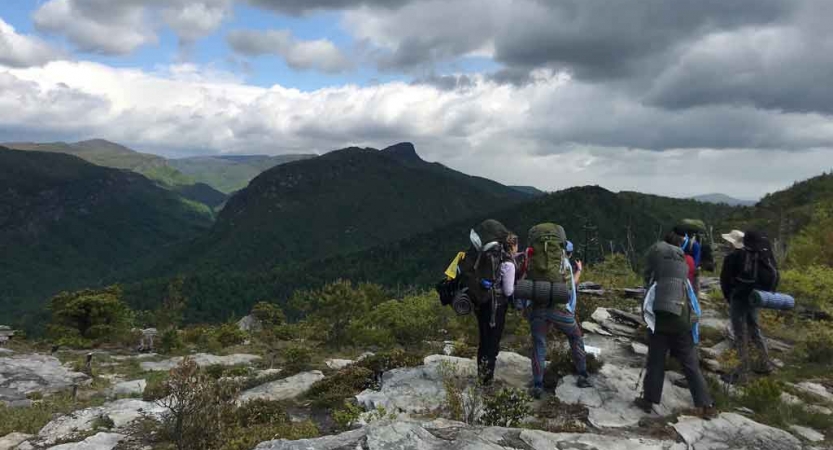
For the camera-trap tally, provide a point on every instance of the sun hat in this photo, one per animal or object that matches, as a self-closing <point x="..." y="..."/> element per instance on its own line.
<point x="735" y="237"/>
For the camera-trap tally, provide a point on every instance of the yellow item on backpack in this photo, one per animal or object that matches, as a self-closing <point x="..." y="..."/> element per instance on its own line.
<point x="451" y="272"/>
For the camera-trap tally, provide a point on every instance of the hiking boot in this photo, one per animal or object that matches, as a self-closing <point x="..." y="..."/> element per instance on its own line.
<point x="764" y="368"/>
<point x="536" y="392"/>
<point x="583" y="382"/>
<point x="646" y="406"/>
<point x="708" y="412"/>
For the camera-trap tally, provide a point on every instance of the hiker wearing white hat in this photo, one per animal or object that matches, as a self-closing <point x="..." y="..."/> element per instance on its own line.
<point x="734" y="237"/>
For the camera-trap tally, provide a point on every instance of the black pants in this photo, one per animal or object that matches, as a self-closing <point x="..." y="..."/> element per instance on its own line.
<point x="489" y="340"/>
<point x="682" y="348"/>
<point x="745" y="323"/>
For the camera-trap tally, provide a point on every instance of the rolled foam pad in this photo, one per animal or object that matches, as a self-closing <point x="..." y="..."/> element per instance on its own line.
<point x="541" y="292"/>
<point x="771" y="300"/>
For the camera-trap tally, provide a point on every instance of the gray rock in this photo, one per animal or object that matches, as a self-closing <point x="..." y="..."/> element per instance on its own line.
<point x="249" y="324"/>
<point x="202" y="360"/>
<point x="134" y="387"/>
<point x="814" y="389"/>
<point x="337" y="364"/>
<point x="807" y="433"/>
<point x="100" y="441"/>
<point x="619" y="329"/>
<point x="283" y="389"/>
<point x="819" y="409"/>
<point x="6" y="351"/>
<point x="718" y="349"/>
<point x="593" y="327"/>
<point x="634" y="319"/>
<point x="419" y="390"/>
<point x="713" y="365"/>
<point x="24" y="374"/>
<point x="12" y="440"/>
<point x="121" y="412"/>
<point x="733" y="431"/>
<point x="600" y="315"/>
<point x="790" y="399"/>
<point x="639" y="348"/>
<point x="445" y="435"/>
<point x="610" y="400"/>
<point x="129" y="357"/>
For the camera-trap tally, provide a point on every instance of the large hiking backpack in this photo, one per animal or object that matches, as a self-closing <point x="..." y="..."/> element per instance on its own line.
<point x="547" y="241"/>
<point x="696" y="230"/>
<point x="480" y="268"/>
<point x="759" y="269"/>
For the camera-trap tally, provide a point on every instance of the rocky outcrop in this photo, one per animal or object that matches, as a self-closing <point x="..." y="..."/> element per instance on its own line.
<point x="283" y="389"/>
<point x="134" y="387"/>
<point x="610" y="399"/>
<point x="419" y="390"/>
<point x="338" y="364"/>
<point x="24" y="374"/>
<point x="733" y="431"/>
<point x="202" y="360"/>
<point x="121" y="412"/>
<point x="12" y="440"/>
<point x="446" y="435"/>
<point x="100" y="441"/>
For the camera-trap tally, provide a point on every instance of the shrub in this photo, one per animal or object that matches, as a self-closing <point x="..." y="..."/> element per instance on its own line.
<point x="507" y="408"/>
<point x="346" y="416"/>
<point x="762" y="394"/>
<point x="89" y="317"/>
<point x="297" y="357"/>
<point x="228" y="334"/>
<point x="170" y="341"/>
<point x="614" y="272"/>
<point x="261" y="412"/>
<point x="384" y="361"/>
<point x="269" y="315"/>
<point x="347" y="382"/>
<point x="561" y="364"/>
<point x="818" y="346"/>
<point x="406" y="322"/>
<point x="811" y="286"/>
<point x="463" y="398"/>
<point x="196" y="407"/>
<point x="157" y="386"/>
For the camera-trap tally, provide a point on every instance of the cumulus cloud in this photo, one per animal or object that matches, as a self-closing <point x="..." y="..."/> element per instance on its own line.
<point x="18" y="50"/>
<point x="553" y="132"/>
<point x="319" y="54"/>
<point x="304" y="6"/>
<point x="120" y="27"/>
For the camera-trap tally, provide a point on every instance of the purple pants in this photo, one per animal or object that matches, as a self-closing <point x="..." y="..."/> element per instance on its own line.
<point x="540" y="323"/>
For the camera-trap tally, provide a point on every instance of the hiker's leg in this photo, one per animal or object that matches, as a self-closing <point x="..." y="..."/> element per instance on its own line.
<point x="685" y="352"/>
<point x="756" y="336"/>
<point x="738" y="311"/>
<point x="483" y="317"/>
<point x="655" y="371"/>
<point x="538" y="326"/>
<point x="493" y="347"/>
<point x="566" y="323"/>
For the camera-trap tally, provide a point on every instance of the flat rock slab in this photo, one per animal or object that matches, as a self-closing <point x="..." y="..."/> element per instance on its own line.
<point x="445" y="435"/>
<point x="129" y="357"/>
<point x="610" y="400"/>
<point x="337" y="364"/>
<point x="100" y="441"/>
<point x="807" y="433"/>
<point x="121" y="412"/>
<point x="600" y="315"/>
<point x="420" y="390"/>
<point x="284" y="389"/>
<point x="202" y="360"/>
<point x="133" y="387"/>
<point x="639" y="348"/>
<point x="24" y="374"/>
<point x="733" y="431"/>
<point x="619" y="329"/>
<point x="814" y="389"/>
<point x="718" y="349"/>
<point x="595" y="328"/>
<point x="12" y="440"/>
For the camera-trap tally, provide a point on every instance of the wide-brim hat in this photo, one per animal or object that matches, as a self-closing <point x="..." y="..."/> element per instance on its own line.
<point x="734" y="237"/>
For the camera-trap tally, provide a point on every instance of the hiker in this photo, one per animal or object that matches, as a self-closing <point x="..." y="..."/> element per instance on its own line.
<point x="489" y="279"/>
<point x="670" y="309"/>
<point x="548" y="262"/>
<point x="575" y="264"/>
<point x="750" y="266"/>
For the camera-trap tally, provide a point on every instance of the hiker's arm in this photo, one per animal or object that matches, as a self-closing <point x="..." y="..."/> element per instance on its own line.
<point x="726" y="276"/>
<point x="577" y="273"/>
<point x="507" y="273"/>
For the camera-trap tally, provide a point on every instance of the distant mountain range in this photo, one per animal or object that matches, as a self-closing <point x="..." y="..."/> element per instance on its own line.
<point x="67" y="224"/>
<point x="723" y="198"/>
<point x="229" y="173"/>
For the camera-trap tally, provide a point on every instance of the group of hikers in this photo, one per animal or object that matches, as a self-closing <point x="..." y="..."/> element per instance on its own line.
<point x="541" y="283"/>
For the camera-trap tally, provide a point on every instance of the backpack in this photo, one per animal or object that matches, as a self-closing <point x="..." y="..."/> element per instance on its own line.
<point x="480" y="268"/>
<point x="547" y="241"/>
<point x="695" y="229"/>
<point x="759" y="269"/>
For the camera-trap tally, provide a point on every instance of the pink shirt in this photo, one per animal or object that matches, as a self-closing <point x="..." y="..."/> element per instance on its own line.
<point x="507" y="276"/>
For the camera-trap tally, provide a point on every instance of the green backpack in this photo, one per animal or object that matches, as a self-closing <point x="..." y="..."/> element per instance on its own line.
<point x="547" y="241"/>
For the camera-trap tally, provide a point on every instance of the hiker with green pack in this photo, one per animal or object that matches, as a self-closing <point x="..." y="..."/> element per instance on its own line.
<point x="548" y="298"/>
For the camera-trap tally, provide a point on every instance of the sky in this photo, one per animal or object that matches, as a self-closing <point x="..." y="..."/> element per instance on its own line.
<point x="676" y="98"/>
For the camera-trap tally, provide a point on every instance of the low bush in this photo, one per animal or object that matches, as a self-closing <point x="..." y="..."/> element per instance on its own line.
<point x="347" y="382"/>
<point x="228" y="334"/>
<point x="818" y="345"/>
<point x="297" y="358"/>
<point x="170" y="341"/>
<point x="384" y="361"/>
<point x="506" y="408"/>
